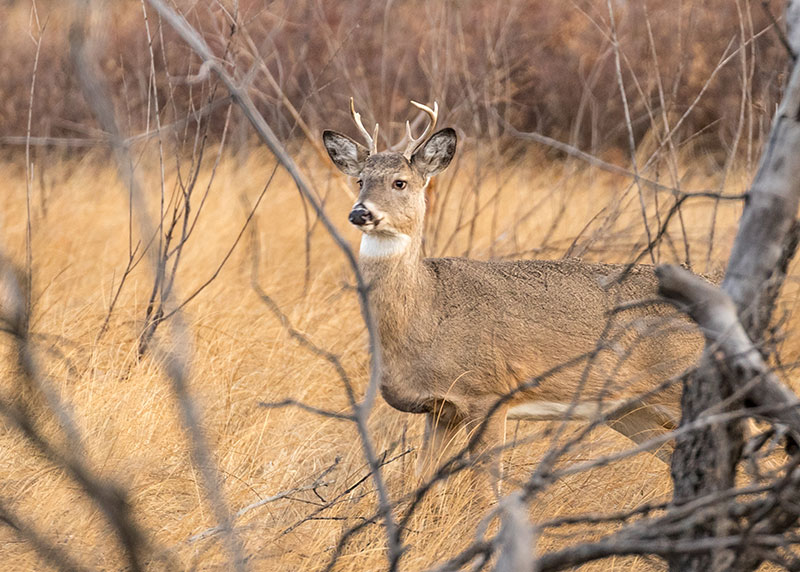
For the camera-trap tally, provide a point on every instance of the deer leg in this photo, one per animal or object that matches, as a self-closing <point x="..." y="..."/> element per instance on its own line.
<point x="437" y="442"/>
<point x="640" y="422"/>
<point x="487" y="437"/>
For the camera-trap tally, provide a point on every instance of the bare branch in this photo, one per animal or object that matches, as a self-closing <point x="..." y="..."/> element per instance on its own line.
<point x="319" y="481"/>
<point x="361" y="410"/>
<point x="175" y="364"/>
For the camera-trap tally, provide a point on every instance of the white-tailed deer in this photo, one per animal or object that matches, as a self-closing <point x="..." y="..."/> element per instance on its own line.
<point x="457" y="334"/>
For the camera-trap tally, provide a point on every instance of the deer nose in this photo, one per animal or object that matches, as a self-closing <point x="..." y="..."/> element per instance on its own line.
<point x="360" y="215"/>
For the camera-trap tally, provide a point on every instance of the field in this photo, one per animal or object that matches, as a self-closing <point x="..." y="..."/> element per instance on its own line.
<point x="241" y="355"/>
<point x="172" y="314"/>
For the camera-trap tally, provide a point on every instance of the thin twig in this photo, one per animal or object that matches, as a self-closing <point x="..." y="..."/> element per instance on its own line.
<point x="176" y="365"/>
<point x="29" y="169"/>
<point x="362" y="409"/>
<point x="319" y="481"/>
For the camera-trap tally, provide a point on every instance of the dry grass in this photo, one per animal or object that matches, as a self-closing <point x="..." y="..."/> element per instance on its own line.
<point x="241" y="356"/>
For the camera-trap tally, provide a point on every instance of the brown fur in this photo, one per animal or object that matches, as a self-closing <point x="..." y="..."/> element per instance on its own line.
<point x="458" y="334"/>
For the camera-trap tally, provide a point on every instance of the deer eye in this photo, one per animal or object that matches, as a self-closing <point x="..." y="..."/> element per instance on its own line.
<point x="400" y="185"/>
<point x="360" y="183"/>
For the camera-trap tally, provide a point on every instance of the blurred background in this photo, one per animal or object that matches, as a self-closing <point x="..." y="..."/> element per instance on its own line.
<point x="537" y="64"/>
<point x="582" y="124"/>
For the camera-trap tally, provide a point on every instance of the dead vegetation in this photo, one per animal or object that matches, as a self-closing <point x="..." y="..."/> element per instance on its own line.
<point x="242" y="356"/>
<point x="542" y="65"/>
<point x="259" y="280"/>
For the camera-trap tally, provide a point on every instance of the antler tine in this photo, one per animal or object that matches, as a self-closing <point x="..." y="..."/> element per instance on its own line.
<point x="414" y="144"/>
<point x="372" y="140"/>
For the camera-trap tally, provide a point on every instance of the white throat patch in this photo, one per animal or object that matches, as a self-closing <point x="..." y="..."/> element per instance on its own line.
<point x="383" y="246"/>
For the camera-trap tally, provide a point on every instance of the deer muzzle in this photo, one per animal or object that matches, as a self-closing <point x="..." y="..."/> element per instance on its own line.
<point x="360" y="215"/>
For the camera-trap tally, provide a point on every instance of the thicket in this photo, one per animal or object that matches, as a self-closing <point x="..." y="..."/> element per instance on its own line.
<point x="539" y="65"/>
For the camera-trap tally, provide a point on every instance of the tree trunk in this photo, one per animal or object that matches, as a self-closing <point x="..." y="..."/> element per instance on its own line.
<point x="705" y="461"/>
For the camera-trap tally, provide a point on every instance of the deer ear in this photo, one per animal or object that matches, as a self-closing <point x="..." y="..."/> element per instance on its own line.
<point x="348" y="156"/>
<point x="435" y="155"/>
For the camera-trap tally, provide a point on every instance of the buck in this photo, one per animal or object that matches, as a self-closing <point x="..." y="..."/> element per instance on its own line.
<point x="458" y="334"/>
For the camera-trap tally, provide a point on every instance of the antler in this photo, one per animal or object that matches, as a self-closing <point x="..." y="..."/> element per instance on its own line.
<point x="372" y="141"/>
<point x="414" y="144"/>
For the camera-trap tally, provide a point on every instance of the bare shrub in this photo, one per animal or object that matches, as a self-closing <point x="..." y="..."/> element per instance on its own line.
<point x="544" y="66"/>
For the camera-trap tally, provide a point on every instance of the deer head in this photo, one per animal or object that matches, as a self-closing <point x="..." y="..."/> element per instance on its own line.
<point x="391" y="200"/>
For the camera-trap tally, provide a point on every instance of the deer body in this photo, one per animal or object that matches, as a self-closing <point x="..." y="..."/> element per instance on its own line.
<point x="458" y="334"/>
<point x="455" y="329"/>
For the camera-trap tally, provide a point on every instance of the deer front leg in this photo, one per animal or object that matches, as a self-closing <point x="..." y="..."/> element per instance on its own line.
<point x="487" y="437"/>
<point x="437" y="443"/>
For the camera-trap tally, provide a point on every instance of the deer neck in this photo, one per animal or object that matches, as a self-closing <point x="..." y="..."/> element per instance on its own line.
<point x="399" y="284"/>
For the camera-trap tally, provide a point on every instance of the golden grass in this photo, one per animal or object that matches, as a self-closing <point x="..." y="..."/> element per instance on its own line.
<point x="241" y="356"/>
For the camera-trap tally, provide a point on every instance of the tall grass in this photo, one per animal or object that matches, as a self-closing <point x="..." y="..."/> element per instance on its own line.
<point x="242" y="356"/>
<point x="701" y="82"/>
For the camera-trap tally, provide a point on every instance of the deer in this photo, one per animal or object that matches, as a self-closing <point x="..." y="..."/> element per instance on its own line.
<point x="457" y="334"/>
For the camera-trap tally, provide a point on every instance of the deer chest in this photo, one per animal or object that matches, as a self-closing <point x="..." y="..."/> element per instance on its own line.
<point x="403" y="385"/>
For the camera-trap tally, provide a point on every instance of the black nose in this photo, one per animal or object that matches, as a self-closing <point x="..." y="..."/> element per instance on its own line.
<point x="360" y="216"/>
